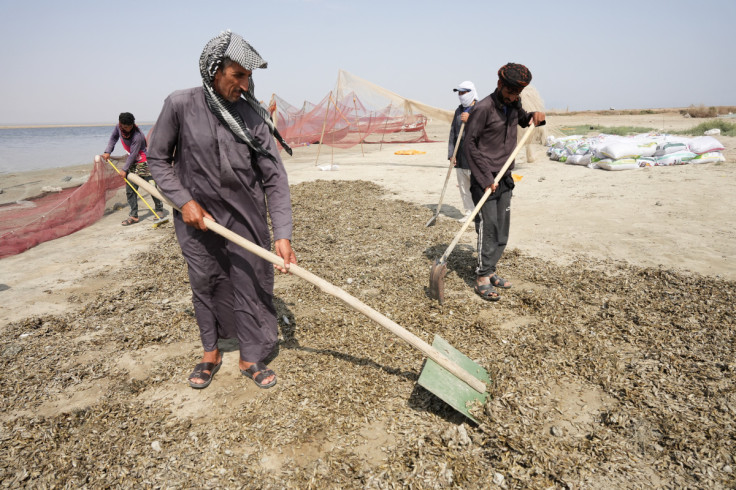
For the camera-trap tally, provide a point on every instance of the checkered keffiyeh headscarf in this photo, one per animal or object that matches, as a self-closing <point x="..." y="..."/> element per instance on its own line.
<point x="515" y="75"/>
<point x="234" y="47"/>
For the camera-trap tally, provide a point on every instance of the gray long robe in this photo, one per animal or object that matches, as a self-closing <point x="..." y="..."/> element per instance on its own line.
<point x="232" y="289"/>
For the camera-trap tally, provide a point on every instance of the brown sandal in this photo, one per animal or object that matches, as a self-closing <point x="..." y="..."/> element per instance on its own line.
<point x="129" y="221"/>
<point x="200" y="373"/>
<point x="500" y="282"/>
<point x="258" y="372"/>
<point x="487" y="292"/>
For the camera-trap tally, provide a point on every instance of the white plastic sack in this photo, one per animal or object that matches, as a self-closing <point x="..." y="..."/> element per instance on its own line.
<point x="669" y="147"/>
<point x="561" y="142"/>
<point x="620" y="164"/>
<point x="579" y="159"/>
<point x="647" y="149"/>
<point x="678" y="158"/>
<point x="646" y="162"/>
<point x="556" y="153"/>
<point x="705" y="144"/>
<point x="710" y="157"/>
<point x="628" y="149"/>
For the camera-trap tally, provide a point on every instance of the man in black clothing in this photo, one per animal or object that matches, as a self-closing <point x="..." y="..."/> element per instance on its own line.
<point x="491" y="138"/>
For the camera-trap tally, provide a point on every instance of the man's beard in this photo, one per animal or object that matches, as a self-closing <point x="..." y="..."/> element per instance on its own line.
<point x="506" y="102"/>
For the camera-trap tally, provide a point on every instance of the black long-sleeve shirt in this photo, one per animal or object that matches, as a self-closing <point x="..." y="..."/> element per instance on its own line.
<point x="462" y="161"/>
<point x="491" y="136"/>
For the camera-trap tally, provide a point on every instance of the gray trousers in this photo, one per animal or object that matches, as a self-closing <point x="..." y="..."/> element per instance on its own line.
<point x="232" y="291"/>
<point x="492" y="224"/>
<point x="133" y="199"/>
<point x="463" y="183"/>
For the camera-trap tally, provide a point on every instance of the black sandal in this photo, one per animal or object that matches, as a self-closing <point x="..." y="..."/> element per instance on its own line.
<point x="487" y="292"/>
<point x="199" y="373"/>
<point x="500" y="282"/>
<point x="258" y="372"/>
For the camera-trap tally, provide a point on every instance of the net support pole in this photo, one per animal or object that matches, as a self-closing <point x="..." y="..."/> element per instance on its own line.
<point x="332" y="146"/>
<point x="357" y="124"/>
<point x="385" y="125"/>
<point x="324" y="124"/>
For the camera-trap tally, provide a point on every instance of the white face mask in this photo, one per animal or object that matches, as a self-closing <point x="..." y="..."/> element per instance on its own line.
<point x="466" y="99"/>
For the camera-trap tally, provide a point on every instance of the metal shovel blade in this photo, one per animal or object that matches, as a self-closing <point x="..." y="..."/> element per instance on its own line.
<point x="437" y="280"/>
<point x="448" y="388"/>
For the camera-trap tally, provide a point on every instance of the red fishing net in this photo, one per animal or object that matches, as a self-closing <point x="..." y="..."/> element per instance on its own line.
<point x="358" y="111"/>
<point x="25" y="224"/>
<point x="345" y="123"/>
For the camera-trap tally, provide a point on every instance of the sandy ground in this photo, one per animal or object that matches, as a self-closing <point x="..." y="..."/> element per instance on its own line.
<point x="675" y="217"/>
<point x="672" y="217"/>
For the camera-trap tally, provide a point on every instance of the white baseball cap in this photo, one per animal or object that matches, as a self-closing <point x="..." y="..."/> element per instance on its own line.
<point x="466" y="86"/>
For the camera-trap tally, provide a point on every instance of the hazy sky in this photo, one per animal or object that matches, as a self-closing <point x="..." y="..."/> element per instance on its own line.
<point x="87" y="61"/>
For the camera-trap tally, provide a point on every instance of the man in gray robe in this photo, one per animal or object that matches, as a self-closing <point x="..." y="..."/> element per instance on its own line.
<point x="212" y="152"/>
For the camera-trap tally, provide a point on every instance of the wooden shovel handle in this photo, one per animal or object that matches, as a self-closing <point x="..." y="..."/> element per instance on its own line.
<point x="488" y="192"/>
<point x="449" y="170"/>
<point x="329" y="288"/>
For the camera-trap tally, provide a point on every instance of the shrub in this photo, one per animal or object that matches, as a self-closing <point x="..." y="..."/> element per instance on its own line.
<point x="619" y="130"/>
<point x="712" y="111"/>
<point x="727" y="128"/>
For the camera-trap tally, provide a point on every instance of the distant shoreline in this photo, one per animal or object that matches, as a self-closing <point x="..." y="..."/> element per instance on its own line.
<point x="37" y="126"/>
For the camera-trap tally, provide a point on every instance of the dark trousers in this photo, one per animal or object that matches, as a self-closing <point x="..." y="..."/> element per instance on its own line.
<point x="133" y="199"/>
<point x="492" y="223"/>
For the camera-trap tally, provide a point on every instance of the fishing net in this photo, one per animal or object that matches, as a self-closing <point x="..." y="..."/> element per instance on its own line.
<point x="356" y="112"/>
<point x="58" y="212"/>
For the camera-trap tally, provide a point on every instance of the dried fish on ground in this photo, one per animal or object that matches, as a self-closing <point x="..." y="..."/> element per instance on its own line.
<point x="604" y="375"/>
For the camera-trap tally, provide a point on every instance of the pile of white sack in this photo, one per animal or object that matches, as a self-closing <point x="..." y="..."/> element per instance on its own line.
<point x="612" y="152"/>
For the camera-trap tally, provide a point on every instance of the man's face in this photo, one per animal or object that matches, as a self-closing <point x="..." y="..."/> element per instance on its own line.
<point x="508" y="94"/>
<point x="230" y="82"/>
<point x="126" y="129"/>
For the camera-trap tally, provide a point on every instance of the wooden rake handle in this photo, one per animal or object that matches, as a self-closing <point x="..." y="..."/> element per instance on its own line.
<point x="449" y="170"/>
<point x="134" y="189"/>
<point x="339" y="293"/>
<point x="488" y="192"/>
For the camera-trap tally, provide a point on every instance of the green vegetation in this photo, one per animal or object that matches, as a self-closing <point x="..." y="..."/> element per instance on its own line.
<point x="727" y="128"/>
<point x="570" y="130"/>
<point x="613" y="112"/>
<point x="619" y="130"/>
